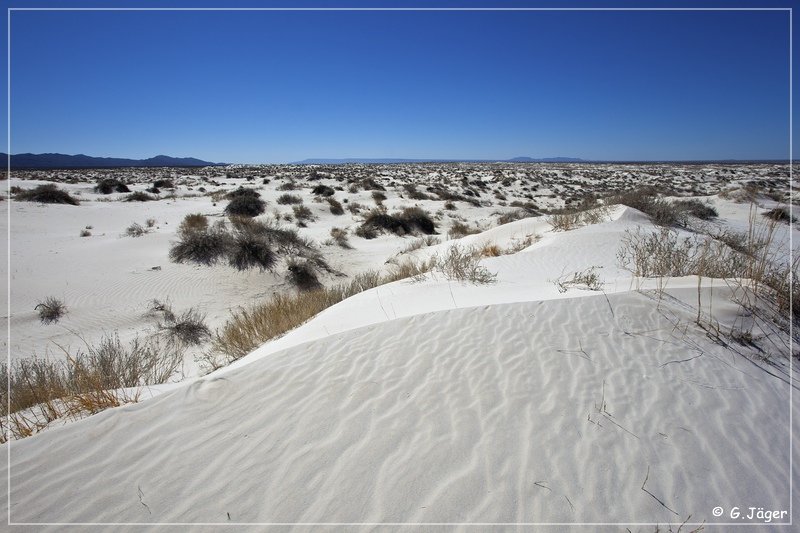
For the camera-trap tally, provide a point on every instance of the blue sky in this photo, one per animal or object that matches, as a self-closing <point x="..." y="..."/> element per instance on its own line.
<point x="283" y="86"/>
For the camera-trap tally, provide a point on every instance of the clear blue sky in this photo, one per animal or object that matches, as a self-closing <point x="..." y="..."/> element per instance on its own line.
<point x="284" y="86"/>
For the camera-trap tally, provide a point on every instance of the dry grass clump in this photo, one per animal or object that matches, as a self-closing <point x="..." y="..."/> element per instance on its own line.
<point x="568" y="219"/>
<point x="303" y="274"/>
<point x="586" y="279"/>
<point x="251" y="250"/>
<point x="323" y="190"/>
<point x="245" y="205"/>
<point x="205" y="247"/>
<point x="193" y="222"/>
<point x="302" y="213"/>
<point x="378" y="197"/>
<point x="139" y="196"/>
<point x="422" y="242"/>
<point x="336" y="206"/>
<point x="664" y="254"/>
<point x="136" y="230"/>
<point x="780" y="214"/>
<point x="287" y="199"/>
<point x="242" y="191"/>
<point x="339" y="236"/>
<point x="459" y="229"/>
<point x="187" y="329"/>
<point x="460" y="264"/>
<point x="85" y="233"/>
<point x="51" y="310"/>
<point x="696" y="208"/>
<point x="46" y="194"/>
<point x="409" y="220"/>
<point x="164" y="183"/>
<point x="513" y="216"/>
<point x="109" y="185"/>
<point x="86" y="382"/>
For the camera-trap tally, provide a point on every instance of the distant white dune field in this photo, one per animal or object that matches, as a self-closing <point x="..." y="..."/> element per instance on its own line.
<point x="422" y="403"/>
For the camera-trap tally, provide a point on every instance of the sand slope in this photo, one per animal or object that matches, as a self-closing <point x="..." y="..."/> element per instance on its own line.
<point x="484" y="414"/>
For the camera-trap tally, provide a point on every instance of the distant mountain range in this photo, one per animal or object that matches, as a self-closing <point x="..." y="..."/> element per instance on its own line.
<point x="322" y="161"/>
<point x="34" y="161"/>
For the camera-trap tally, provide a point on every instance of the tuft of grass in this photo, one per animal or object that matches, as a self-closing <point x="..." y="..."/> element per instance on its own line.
<point x="339" y="236"/>
<point x="303" y="275"/>
<point x="51" y="309"/>
<point x="85" y="233"/>
<point x="459" y="229"/>
<point x="109" y="185"/>
<point x="242" y="191"/>
<point x="164" y="183"/>
<point x="780" y="214"/>
<point x="46" y="194"/>
<point x="187" y="329"/>
<point x="378" y="197"/>
<point x="193" y="222"/>
<point x="83" y="383"/>
<point x="288" y="199"/>
<point x="586" y="279"/>
<point x="407" y="221"/>
<point x="251" y="250"/>
<point x="140" y="196"/>
<point x="246" y="206"/>
<point x="136" y="230"/>
<point x="204" y="247"/>
<point x="336" y="206"/>
<point x="323" y="190"/>
<point x="302" y="213"/>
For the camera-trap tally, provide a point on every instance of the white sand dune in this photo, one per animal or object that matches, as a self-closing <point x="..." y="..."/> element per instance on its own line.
<point x="487" y="414"/>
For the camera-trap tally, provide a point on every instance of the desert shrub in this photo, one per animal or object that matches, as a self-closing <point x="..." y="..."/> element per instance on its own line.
<point x="193" y="222"/>
<point x="422" y="242"/>
<point x="186" y="329"/>
<point x="47" y="194"/>
<point x="303" y="275"/>
<point x="567" y="219"/>
<point x="251" y="250"/>
<point x="587" y="279"/>
<point x="136" y="230"/>
<point x="287" y="199"/>
<point x="323" y="190"/>
<point x="512" y="216"/>
<point x="459" y="229"/>
<point x="646" y="200"/>
<point x="413" y="193"/>
<point x="109" y="185"/>
<point x="696" y="208"/>
<point x="339" y="235"/>
<point x="302" y="213"/>
<point x="336" y="207"/>
<point x="419" y="219"/>
<point x="490" y="250"/>
<point x="242" y="191"/>
<point x="460" y="264"/>
<point x="354" y="208"/>
<point x="164" y="183"/>
<point x="379" y="197"/>
<point x="51" y="310"/>
<point x="450" y="206"/>
<point x="288" y="186"/>
<point x="246" y="206"/>
<point x="85" y="233"/>
<point x="139" y="196"/>
<point x="377" y="220"/>
<point x="204" y="247"/>
<point x="780" y="214"/>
